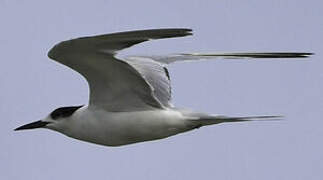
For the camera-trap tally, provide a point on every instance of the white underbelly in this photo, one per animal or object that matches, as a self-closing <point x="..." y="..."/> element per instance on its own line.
<point x="120" y="128"/>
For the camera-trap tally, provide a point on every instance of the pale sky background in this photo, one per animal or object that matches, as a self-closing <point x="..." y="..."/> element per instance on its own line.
<point x="31" y="86"/>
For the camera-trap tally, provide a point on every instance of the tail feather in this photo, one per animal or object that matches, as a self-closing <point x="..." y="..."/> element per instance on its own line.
<point x="209" y="120"/>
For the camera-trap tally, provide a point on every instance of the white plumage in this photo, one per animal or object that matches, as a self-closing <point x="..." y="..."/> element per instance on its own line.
<point x="130" y="98"/>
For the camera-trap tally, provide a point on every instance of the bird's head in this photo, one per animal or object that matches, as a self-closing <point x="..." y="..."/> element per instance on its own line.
<point x="54" y="120"/>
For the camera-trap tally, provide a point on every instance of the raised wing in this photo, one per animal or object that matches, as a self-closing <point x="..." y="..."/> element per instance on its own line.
<point x="114" y="84"/>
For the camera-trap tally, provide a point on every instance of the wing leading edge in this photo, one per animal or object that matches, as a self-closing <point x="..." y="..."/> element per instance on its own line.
<point x="115" y="85"/>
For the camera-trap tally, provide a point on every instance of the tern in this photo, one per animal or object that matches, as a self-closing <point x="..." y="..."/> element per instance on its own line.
<point x="130" y="97"/>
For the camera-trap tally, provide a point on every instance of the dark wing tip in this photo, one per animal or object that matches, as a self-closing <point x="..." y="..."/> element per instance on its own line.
<point x="307" y="54"/>
<point x="295" y="54"/>
<point x="169" y="33"/>
<point x="176" y="32"/>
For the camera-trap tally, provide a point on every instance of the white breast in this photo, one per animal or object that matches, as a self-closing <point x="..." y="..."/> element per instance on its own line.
<point x="119" y="128"/>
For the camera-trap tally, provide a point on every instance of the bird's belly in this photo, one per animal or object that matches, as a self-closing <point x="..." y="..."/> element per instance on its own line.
<point x="115" y="129"/>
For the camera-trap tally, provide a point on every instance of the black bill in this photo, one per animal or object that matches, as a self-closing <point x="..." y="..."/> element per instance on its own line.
<point x="33" y="125"/>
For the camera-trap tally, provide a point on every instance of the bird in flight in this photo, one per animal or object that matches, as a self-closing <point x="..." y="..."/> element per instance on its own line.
<point x="130" y="98"/>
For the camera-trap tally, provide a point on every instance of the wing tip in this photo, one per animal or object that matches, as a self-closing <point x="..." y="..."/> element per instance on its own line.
<point x="172" y="32"/>
<point x="294" y="54"/>
<point x="305" y="55"/>
<point x="187" y="31"/>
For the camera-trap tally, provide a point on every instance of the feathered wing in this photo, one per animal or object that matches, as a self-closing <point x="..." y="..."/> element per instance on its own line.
<point x="136" y="83"/>
<point x="153" y="68"/>
<point x="204" y="56"/>
<point x="116" y="85"/>
<point x="156" y="75"/>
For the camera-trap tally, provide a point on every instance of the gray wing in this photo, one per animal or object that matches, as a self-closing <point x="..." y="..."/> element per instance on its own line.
<point x="156" y="75"/>
<point x="168" y="59"/>
<point x="153" y="68"/>
<point x="116" y="85"/>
